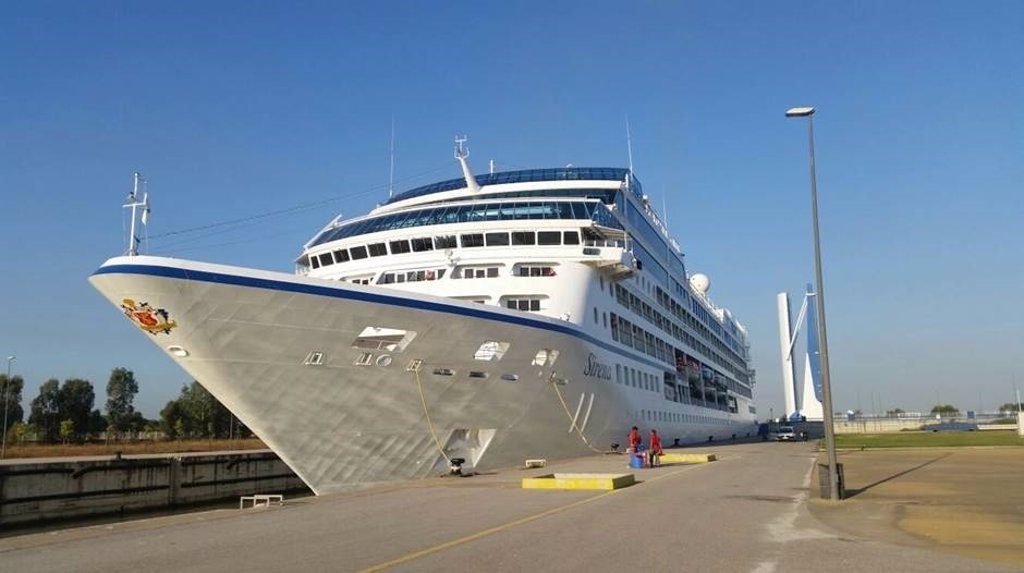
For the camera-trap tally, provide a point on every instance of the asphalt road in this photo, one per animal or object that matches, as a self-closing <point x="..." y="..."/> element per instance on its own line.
<point x="746" y="512"/>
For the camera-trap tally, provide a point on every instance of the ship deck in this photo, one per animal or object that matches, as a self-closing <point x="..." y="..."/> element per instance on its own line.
<point x="748" y="511"/>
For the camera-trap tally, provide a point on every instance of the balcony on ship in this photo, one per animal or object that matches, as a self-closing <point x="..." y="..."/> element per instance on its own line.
<point x="610" y="256"/>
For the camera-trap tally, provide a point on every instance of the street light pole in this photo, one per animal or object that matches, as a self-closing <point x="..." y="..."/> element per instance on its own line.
<point x="826" y="389"/>
<point x="7" y="395"/>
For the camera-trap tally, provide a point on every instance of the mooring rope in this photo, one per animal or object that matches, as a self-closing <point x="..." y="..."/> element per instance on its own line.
<point x="554" y="384"/>
<point x="426" y="414"/>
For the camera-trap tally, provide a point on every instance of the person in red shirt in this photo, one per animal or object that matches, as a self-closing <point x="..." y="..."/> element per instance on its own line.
<point x="634" y="440"/>
<point x="654" y="449"/>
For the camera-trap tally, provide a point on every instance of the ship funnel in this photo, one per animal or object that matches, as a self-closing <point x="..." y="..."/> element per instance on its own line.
<point x="461" y="153"/>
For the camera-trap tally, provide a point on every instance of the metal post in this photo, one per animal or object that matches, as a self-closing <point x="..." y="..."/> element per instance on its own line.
<point x="826" y="389"/>
<point x="7" y="396"/>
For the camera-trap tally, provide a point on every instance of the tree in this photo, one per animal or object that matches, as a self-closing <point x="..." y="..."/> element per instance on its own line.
<point x="1010" y="408"/>
<point x="197" y="414"/>
<point x="10" y="396"/>
<point x="45" y="410"/>
<point x="76" y="401"/>
<point x="945" y="410"/>
<point x="172" y="418"/>
<point x="121" y="391"/>
<point x="894" y="413"/>
<point x="67" y="429"/>
<point x="97" y="423"/>
<point x="18" y="431"/>
<point x="71" y="401"/>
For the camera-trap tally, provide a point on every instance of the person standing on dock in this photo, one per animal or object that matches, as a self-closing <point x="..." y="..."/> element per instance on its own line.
<point x="654" y="449"/>
<point x="634" y="440"/>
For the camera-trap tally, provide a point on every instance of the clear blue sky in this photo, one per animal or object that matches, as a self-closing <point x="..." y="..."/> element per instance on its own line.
<point x="234" y="109"/>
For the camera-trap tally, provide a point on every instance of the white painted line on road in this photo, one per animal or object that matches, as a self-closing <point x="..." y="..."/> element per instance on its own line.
<point x="783" y="529"/>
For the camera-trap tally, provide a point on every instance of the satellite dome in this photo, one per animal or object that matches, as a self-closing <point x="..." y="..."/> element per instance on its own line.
<point x="700" y="282"/>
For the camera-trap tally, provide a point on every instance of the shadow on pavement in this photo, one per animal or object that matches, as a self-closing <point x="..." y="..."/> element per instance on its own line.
<point x="853" y="492"/>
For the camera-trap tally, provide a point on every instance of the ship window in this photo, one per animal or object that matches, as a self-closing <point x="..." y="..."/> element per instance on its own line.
<point x="326" y="259"/>
<point x="341" y="255"/>
<point x="545" y="357"/>
<point x="549" y="238"/>
<point x="497" y="239"/>
<point x="380" y="338"/>
<point x="378" y="250"/>
<point x="589" y="210"/>
<point x="358" y="252"/>
<point x="523" y="304"/>
<point x="473" y="240"/>
<point x="422" y="244"/>
<point x="491" y="350"/>
<point x="314" y="262"/>
<point x="492" y="272"/>
<point x="399" y="247"/>
<point x="524" y="238"/>
<point x="445" y="242"/>
<point x="532" y="271"/>
<point x="443" y="372"/>
<point x="571" y="238"/>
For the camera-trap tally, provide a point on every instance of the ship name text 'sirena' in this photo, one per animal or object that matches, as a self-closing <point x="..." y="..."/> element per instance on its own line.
<point x="523" y="314"/>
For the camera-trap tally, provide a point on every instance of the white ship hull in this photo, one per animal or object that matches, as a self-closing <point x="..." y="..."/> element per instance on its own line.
<point x="246" y="335"/>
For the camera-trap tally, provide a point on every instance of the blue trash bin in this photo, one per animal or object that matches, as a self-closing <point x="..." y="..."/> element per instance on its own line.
<point x="636" y="461"/>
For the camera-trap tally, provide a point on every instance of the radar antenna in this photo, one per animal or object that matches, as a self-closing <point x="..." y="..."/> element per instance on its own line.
<point x="461" y="151"/>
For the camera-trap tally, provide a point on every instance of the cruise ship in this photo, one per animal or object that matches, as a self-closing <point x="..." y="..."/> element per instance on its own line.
<point x="469" y="324"/>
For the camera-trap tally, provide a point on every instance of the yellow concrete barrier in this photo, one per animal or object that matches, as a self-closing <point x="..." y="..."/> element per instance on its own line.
<point x="673" y="458"/>
<point x="579" y="481"/>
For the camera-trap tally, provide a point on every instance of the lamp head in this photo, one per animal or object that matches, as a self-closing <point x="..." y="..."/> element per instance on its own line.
<point x="799" y="112"/>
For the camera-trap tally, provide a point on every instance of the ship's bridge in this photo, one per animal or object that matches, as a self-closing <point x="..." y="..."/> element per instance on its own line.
<point x="471" y="212"/>
<point x="617" y="174"/>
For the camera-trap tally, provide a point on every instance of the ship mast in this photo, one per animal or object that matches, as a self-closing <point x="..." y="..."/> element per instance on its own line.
<point x="135" y="205"/>
<point x="461" y="153"/>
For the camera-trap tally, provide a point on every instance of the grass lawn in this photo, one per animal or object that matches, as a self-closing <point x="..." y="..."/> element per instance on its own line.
<point x="930" y="439"/>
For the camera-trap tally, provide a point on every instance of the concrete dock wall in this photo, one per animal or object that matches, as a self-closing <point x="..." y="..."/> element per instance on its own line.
<point x="34" y="491"/>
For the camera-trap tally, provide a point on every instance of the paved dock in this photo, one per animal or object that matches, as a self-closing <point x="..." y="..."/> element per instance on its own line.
<point x="748" y="511"/>
<point x="964" y="500"/>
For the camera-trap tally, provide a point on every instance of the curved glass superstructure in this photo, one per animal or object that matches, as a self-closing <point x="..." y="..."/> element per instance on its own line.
<point x="521" y="176"/>
<point x="470" y="213"/>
